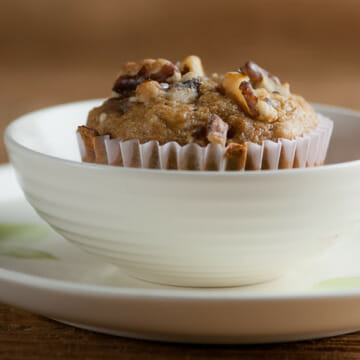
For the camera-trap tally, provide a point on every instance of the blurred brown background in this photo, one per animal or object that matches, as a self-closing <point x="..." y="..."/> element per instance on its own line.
<point x="62" y="50"/>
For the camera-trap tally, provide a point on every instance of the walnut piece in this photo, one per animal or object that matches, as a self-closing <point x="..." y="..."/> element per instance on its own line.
<point x="231" y="84"/>
<point x="87" y="133"/>
<point x="236" y="155"/>
<point x="132" y="74"/>
<point x="217" y="130"/>
<point x="261" y="78"/>
<point x="148" y="90"/>
<point x="238" y="86"/>
<point x="192" y="64"/>
<point x="88" y="136"/>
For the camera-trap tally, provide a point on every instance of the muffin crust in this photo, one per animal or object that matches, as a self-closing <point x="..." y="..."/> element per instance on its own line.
<point x="158" y="100"/>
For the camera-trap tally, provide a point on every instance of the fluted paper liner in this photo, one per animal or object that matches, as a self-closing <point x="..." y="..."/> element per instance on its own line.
<point x="306" y="151"/>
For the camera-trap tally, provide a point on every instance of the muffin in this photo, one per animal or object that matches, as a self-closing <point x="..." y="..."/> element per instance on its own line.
<point x="174" y="116"/>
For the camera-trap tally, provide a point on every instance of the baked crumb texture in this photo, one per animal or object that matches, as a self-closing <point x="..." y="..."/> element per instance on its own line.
<point x="159" y="101"/>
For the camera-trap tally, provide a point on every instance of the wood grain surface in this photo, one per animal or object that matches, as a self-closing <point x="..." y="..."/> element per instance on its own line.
<point x="27" y="336"/>
<point x="61" y="50"/>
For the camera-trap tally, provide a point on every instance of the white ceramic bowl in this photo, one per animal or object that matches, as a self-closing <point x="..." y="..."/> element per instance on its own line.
<point x="182" y="227"/>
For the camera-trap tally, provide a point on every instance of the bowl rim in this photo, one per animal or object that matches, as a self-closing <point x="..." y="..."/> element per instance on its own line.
<point x="10" y="141"/>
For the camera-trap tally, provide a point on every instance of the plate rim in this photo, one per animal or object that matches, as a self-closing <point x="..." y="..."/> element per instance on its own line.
<point x="174" y="293"/>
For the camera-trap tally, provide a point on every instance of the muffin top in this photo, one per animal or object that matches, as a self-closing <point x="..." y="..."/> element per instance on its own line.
<point x="158" y="100"/>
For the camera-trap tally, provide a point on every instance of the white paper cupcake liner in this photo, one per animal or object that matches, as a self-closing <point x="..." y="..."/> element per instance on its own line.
<point x="306" y="151"/>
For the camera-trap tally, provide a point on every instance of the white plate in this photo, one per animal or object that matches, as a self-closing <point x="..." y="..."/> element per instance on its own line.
<point x="43" y="273"/>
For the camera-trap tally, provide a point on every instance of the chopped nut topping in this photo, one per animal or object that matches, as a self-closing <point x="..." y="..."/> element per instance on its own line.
<point x="260" y="108"/>
<point x="131" y="67"/>
<point x="127" y="83"/>
<point x="166" y="72"/>
<point x="154" y="100"/>
<point x="184" y="92"/>
<point x="133" y="74"/>
<point x="88" y="136"/>
<point x="250" y="98"/>
<point x="266" y="111"/>
<point x="102" y="117"/>
<point x="148" y="90"/>
<point x="236" y="155"/>
<point x="125" y="105"/>
<point x="120" y="104"/>
<point x="217" y="130"/>
<point x="239" y="87"/>
<point x="193" y="82"/>
<point x="192" y="64"/>
<point x="231" y="84"/>
<point x="189" y="76"/>
<point x="261" y="78"/>
<point x="87" y="133"/>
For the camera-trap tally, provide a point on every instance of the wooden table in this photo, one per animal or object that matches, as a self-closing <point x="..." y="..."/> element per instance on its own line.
<point x="27" y="336"/>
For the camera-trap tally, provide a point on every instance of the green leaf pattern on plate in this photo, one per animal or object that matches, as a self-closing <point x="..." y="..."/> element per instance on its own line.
<point x="345" y="283"/>
<point x="24" y="253"/>
<point x="22" y="232"/>
<point x="13" y="236"/>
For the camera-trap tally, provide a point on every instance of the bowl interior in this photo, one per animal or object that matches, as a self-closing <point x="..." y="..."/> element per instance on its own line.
<point x="52" y="131"/>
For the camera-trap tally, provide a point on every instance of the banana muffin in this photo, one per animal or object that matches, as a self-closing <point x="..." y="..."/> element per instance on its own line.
<point x="157" y="100"/>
